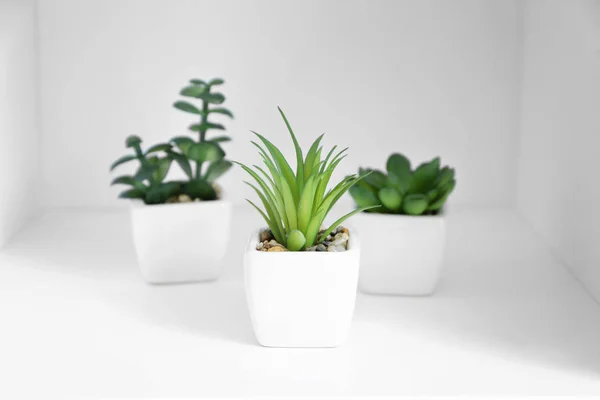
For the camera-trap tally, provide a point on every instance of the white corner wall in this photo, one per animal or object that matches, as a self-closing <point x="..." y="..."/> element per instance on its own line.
<point x="559" y="188"/>
<point x="18" y="115"/>
<point x="425" y="78"/>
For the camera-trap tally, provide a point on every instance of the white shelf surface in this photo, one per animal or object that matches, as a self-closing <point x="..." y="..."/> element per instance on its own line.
<point x="77" y="320"/>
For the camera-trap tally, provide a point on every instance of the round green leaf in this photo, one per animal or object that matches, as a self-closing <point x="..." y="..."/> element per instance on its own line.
<point x="197" y="82"/>
<point x="295" y="240"/>
<point x="390" y="198"/>
<point x="415" y="204"/>
<point x="398" y="164"/>
<point x="205" y="151"/>
<point x="376" y="179"/>
<point x="424" y="177"/>
<point x="363" y="197"/>
<point x="132" y="141"/>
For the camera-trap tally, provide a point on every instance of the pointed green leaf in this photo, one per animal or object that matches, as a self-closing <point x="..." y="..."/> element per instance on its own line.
<point x="132" y="194"/>
<point x="183" y="143"/>
<point x="220" y="110"/>
<point x="216" y="81"/>
<point x="193" y="91"/>
<point x="158" y="147"/>
<point x="187" y="107"/>
<point x="205" y="126"/>
<point x="216" y="169"/>
<point x="122" y="160"/>
<point x="341" y="220"/>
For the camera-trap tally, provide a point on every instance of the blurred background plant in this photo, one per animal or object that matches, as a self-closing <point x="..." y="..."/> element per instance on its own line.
<point x="404" y="191"/>
<point x="202" y="160"/>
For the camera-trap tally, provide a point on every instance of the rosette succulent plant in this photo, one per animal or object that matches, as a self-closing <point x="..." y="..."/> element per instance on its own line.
<point x="404" y="191"/>
<point x="200" y="158"/>
<point x="296" y="204"/>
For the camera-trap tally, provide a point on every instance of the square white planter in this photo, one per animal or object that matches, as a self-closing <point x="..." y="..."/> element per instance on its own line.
<point x="180" y="242"/>
<point x="401" y="254"/>
<point x="301" y="299"/>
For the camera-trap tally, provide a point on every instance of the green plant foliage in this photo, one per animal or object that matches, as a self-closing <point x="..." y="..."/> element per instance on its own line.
<point x="202" y="160"/>
<point x="296" y="204"/>
<point x="404" y="191"/>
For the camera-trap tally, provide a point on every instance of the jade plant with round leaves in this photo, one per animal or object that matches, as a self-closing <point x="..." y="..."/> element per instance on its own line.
<point x="296" y="204"/>
<point x="201" y="158"/>
<point x="404" y="191"/>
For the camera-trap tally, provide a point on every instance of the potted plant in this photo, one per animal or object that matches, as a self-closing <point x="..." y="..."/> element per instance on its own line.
<point x="180" y="227"/>
<point x="404" y="239"/>
<point x="300" y="279"/>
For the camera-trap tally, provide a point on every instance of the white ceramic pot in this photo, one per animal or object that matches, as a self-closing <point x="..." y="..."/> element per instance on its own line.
<point x="401" y="254"/>
<point x="301" y="299"/>
<point x="180" y="242"/>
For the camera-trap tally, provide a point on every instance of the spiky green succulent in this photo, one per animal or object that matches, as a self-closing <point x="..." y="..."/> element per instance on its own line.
<point x="404" y="191"/>
<point x="296" y="204"/>
<point x="202" y="160"/>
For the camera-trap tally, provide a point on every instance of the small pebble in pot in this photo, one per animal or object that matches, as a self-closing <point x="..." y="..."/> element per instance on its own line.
<point x="266" y="235"/>
<point x="184" y="198"/>
<point x="320" y="247"/>
<point x="336" y="248"/>
<point x="277" y="248"/>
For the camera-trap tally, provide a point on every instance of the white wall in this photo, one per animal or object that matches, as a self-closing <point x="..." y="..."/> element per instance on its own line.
<point x="425" y="78"/>
<point x="18" y="115"/>
<point x="559" y="187"/>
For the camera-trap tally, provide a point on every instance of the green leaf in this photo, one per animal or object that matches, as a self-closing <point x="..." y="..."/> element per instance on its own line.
<point x="158" y="147"/>
<point x="220" y="139"/>
<point x="220" y="110"/>
<point x="205" y="151"/>
<point x="415" y="204"/>
<point x="197" y="82"/>
<point x="183" y="143"/>
<point x="299" y="158"/>
<point x="216" y="169"/>
<point x="363" y="197"/>
<point x="146" y="172"/>
<point x="132" y="194"/>
<point x="183" y="162"/>
<point x="206" y="126"/>
<point x="439" y="203"/>
<point x="398" y="164"/>
<point x="162" y="169"/>
<point x="310" y="157"/>
<point x="187" y="107"/>
<point x="305" y="205"/>
<point x="213" y="98"/>
<point x="424" y="177"/>
<point x="376" y="179"/>
<point x="132" y="141"/>
<point x="390" y="198"/>
<point x="295" y="240"/>
<point x="122" y="160"/>
<point x="199" y="189"/>
<point x="193" y="91"/>
<point x="123" y="180"/>
<point x="282" y="164"/>
<point x="216" y="81"/>
<point x="274" y="216"/>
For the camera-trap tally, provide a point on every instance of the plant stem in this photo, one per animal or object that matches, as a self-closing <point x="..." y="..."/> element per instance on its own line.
<point x="202" y="137"/>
